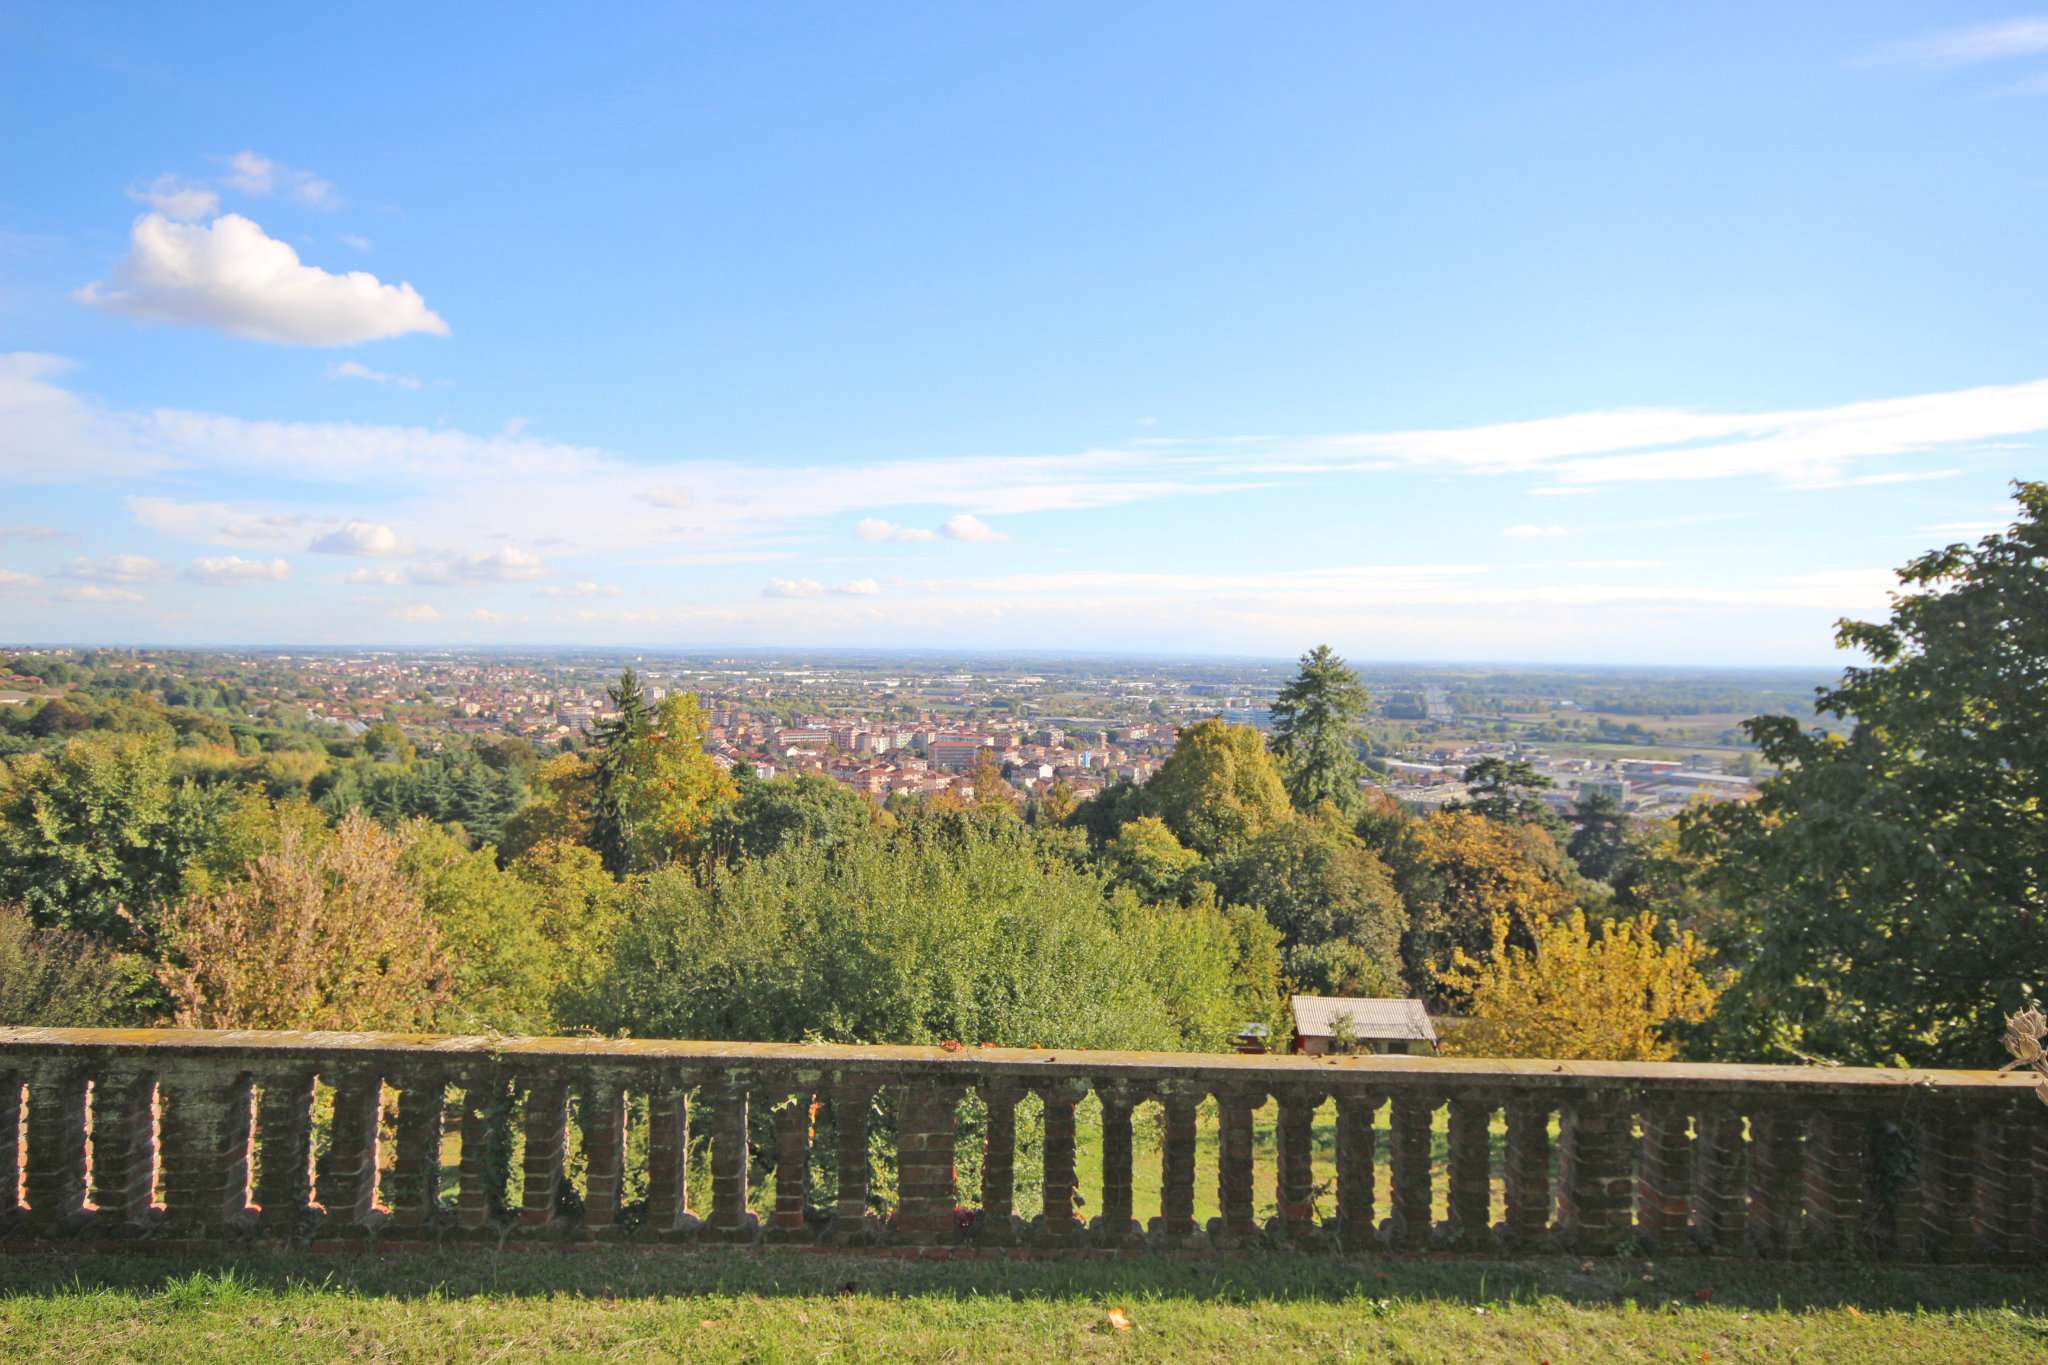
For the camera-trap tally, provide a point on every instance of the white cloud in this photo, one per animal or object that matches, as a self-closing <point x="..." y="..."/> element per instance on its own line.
<point x="14" y="578"/>
<point x="811" y="587"/>
<point x="486" y="616"/>
<point x="671" y="499"/>
<point x="1529" y="530"/>
<point x="226" y="569"/>
<point x="967" y="526"/>
<point x="383" y="578"/>
<point x="506" y="564"/>
<point x="233" y="276"/>
<point x="354" y="241"/>
<point x="95" y="592"/>
<point x="365" y="538"/>
<point x="581" y="590"/>
<point x="350" y="369"/>
<point x="2025" y="37"/>
<point x="876" y="529"/>
<point x="418" y="612"/>
<point x="33" y="533"/>
<point x="262" y="177"/>
<point x="115" y="569"/>
<point x="216" y="521"/>
<point x="175" y="199"/>
<point x="50" y="435"/>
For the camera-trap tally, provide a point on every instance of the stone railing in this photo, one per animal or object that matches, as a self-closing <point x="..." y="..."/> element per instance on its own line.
<point x="195" y="1138"/>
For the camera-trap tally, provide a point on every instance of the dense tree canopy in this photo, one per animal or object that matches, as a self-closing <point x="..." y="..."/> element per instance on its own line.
<point x="1893" y="881"/>
<point x="1219" y="789"/>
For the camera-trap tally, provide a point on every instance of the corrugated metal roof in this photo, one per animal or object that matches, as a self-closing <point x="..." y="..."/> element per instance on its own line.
<point x="1315" y="1016"/>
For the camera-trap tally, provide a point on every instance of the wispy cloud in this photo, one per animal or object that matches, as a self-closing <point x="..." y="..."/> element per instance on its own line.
<point x="258" y="175"/>
<point x="1530" y="530"/>
<point x="353" y="369"/>
<point x="2007" y="38"/>
<point x="223" y="570"/>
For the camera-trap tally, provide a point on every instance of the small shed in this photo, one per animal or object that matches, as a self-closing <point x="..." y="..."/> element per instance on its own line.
<point x="1365" y="1025"/>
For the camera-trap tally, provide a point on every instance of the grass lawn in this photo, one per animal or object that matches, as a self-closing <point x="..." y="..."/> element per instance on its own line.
<point x="623" y="1305"/>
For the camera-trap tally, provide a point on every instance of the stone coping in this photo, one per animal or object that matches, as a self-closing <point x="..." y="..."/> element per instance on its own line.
<point x="975" y="1063"/>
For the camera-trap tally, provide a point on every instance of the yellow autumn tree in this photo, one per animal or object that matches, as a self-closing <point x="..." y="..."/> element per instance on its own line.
<point x="670" y="788"/>
<point x="1610" y="995"/>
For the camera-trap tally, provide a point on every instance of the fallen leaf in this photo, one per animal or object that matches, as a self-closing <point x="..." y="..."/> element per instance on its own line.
<point x="1854" y="1311"/>
<point x="949" y="1045"/>
<point x="1118" y="1320"/>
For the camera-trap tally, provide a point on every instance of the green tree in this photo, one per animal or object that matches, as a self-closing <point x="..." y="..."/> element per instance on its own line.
<point x="802" y="808"/>
<point x="59" y="978"/>
<point x="617" y="738"/>
<point x="1599" y="841"/>
<point x="666" y="789"/>
<point x="1891" y="878"/>
<point x="1220" y="788"/>
<point x="1315" y="730"/>
<point x="95" y="836"/>
<point x="1506" y="789"/>
<point x="1147" y="858"/>
<point x="1334" y="903"/>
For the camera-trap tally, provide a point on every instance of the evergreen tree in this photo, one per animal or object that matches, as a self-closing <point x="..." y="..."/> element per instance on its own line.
<point x="1315" y="722"/>
<point x="1599" y="842"/>
<point x="616" y="737"/>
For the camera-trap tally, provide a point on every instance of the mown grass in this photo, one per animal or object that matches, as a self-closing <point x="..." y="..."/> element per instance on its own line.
<point x="624" y="1305"/>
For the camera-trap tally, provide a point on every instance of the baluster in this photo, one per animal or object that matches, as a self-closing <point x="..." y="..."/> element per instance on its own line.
<point x="1720" y="1201"/>
<point x="56" y="1149"/>
<point x="604" y="1152"/>
<point x="1837" y="1164"/>
<point x="1355" y="1143"/>
<point x="1409" y="1220"/>
<point x="1236" y="1227"/>
<point x="668" y="1158"/>
<point x="1060" y="1227"/>
<point x="10" y="1145"/>
<point x="926" y="1118"/>
<point x="1528" y="1172"/>
<point x="205" y="1149"/>
<point x="2039" y="1129"/>
<point x="348" y="1169"/>
<point x="1175" y="1226"/>
<point x="1597" y="1194"/>
<point x="851" y="1224"/>
<point x="1471" y="1176"/>
<point x="999" y="1166"/>
<point x="729" y="1221"/>
<point x="1776" y="1181"/>
<point x="2005" y="1180"/>
<point x="1295" y="1171"/>
<point x="791" y="1222"/>
<point x="284" y="1151"/>
<point x="485" y="1172"/>
<point x="124" y="1148"/>
<point x="1116" y="1226"/>
<point x="414" y="1188"/>
<point x="1664" y="1184"/>
<point x="546" y="1125"/>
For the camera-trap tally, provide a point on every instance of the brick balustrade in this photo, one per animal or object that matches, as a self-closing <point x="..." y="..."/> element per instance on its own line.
<point x="173" y="1137"/>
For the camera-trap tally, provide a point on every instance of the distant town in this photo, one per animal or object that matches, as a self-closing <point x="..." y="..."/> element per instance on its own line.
<point x="1655" y="740"/>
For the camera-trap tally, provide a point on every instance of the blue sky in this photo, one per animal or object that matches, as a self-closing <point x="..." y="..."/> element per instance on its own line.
<point x="1585" y="333"/>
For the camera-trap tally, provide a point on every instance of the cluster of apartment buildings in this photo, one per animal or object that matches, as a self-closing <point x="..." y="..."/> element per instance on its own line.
<point x="930" y="755"/>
